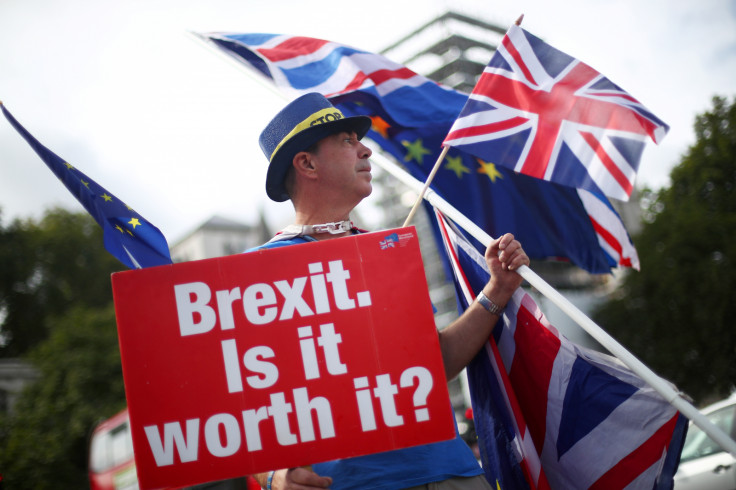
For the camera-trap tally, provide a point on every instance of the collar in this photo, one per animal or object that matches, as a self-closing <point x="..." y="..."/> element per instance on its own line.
<point x="334" y="228"/>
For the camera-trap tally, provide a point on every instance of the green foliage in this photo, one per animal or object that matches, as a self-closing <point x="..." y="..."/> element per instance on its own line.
<point x="675" y="314"/>
<point x="44" y="445"/>
<point x="45" y="268"/>
<point x="56" y="311"/>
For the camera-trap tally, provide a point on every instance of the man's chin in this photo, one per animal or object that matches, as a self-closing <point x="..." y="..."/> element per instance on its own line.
<point x="368" y="191"/>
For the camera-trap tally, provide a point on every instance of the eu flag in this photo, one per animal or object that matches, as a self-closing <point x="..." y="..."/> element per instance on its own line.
<point x="549" y="219"/>
<point x="411" y="116"/>
<point x="128" y="236"/>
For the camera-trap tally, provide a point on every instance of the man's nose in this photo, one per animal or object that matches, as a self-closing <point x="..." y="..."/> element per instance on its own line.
<point x="365" y="152"/>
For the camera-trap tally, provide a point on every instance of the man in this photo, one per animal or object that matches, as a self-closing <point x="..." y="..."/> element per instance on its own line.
<point x="317" y="161"/>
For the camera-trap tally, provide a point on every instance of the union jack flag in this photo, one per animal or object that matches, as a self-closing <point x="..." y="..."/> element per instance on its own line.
<point x="389" y="241"/>
<point x="412" y="115"/>
<point x="299" y="65"/>
<point x="545" y="114"/>
<point x="552" y="414"/>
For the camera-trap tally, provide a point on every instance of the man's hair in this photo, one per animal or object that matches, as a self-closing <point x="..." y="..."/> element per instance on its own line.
<point x="289" y="181"/>
<point x="290" y="177"/>
<point x="313" y="148"/>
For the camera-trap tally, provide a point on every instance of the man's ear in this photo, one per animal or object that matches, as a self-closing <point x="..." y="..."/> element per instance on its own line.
<point x="302" y="164"/>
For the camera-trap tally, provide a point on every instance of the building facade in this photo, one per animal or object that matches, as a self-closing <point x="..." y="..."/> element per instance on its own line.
<point x="15" y="374"/>
<point x="219" y="236"/>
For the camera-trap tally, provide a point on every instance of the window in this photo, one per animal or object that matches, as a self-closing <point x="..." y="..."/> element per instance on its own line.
<point x="111" y="448"/>
<point x="698" y="444"/>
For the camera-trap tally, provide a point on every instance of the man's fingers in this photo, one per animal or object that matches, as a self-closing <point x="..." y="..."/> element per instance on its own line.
<point x="509" y="252"/>
<point x="499" y="244"/>
<point x="308" y="478"/>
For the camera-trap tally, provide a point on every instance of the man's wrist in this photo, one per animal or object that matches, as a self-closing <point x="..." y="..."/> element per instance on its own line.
<point x="489" y="305"/>
<point x="269" y="479"/>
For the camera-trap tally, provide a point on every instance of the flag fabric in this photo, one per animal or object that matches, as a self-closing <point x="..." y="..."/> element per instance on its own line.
<point x="552" y="414"/>
<point x="411" y="116"/>
<point x="299" y="65"/>
<point x="545" y="114"/>
<point x="127" y="235"/>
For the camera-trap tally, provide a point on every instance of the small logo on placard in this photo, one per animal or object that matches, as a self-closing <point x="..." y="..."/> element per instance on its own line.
<point x="395" y="240"/>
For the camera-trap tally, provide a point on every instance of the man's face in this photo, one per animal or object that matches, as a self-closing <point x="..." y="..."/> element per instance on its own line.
<point x="342" y="163"/>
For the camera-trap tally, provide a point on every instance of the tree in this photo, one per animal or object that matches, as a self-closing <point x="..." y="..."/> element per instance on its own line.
<point x="676" y="314"/>
<point x="44" y="445"/>
<point x="56" y="311"/>
<point x="46" y="267"/>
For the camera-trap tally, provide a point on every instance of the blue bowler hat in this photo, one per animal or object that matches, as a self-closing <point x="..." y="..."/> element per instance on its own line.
<point x="298" y="126"/>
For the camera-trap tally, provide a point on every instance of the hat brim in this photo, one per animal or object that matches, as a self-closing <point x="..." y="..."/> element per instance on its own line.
<point x="282" y="160"/>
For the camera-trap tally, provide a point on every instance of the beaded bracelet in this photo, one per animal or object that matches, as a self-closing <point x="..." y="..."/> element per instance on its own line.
<point x="269" y="480"/>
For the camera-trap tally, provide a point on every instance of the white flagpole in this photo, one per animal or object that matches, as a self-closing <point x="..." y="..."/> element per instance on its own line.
<point x="130" y="255"/>
<point x="656" y="382"/>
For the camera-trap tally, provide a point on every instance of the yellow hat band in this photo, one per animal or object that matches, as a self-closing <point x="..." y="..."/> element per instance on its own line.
<point x="329" y="114"/>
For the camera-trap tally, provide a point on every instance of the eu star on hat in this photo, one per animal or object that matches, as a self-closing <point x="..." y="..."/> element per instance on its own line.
<point x="299" y="125"/>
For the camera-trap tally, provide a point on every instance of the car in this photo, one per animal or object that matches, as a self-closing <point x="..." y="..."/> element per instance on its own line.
<point x="704" y="465"/>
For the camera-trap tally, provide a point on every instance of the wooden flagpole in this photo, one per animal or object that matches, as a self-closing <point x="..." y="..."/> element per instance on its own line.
<point x="436" y="167"/>
<point x="430" y="178"/>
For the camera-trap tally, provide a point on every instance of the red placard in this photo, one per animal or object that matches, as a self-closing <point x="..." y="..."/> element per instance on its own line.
<point x="280" y="358"/>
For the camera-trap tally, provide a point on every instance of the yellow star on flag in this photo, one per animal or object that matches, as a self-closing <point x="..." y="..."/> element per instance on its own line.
<point x="134" y="222"/>
<point x="106" y="197"/>
<point x="489" y="169"/>
<point x="69" y="166"/>
<point x="415" y="151"/>
<point x="119" y="228"/>
<point x="456" y="165"/>
<point x="86" y="184"/>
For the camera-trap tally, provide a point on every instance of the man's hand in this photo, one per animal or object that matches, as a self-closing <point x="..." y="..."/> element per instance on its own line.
<point x="504" y="256"/>
<point x="462" y="339"/>
<point x="299" y="478"/>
